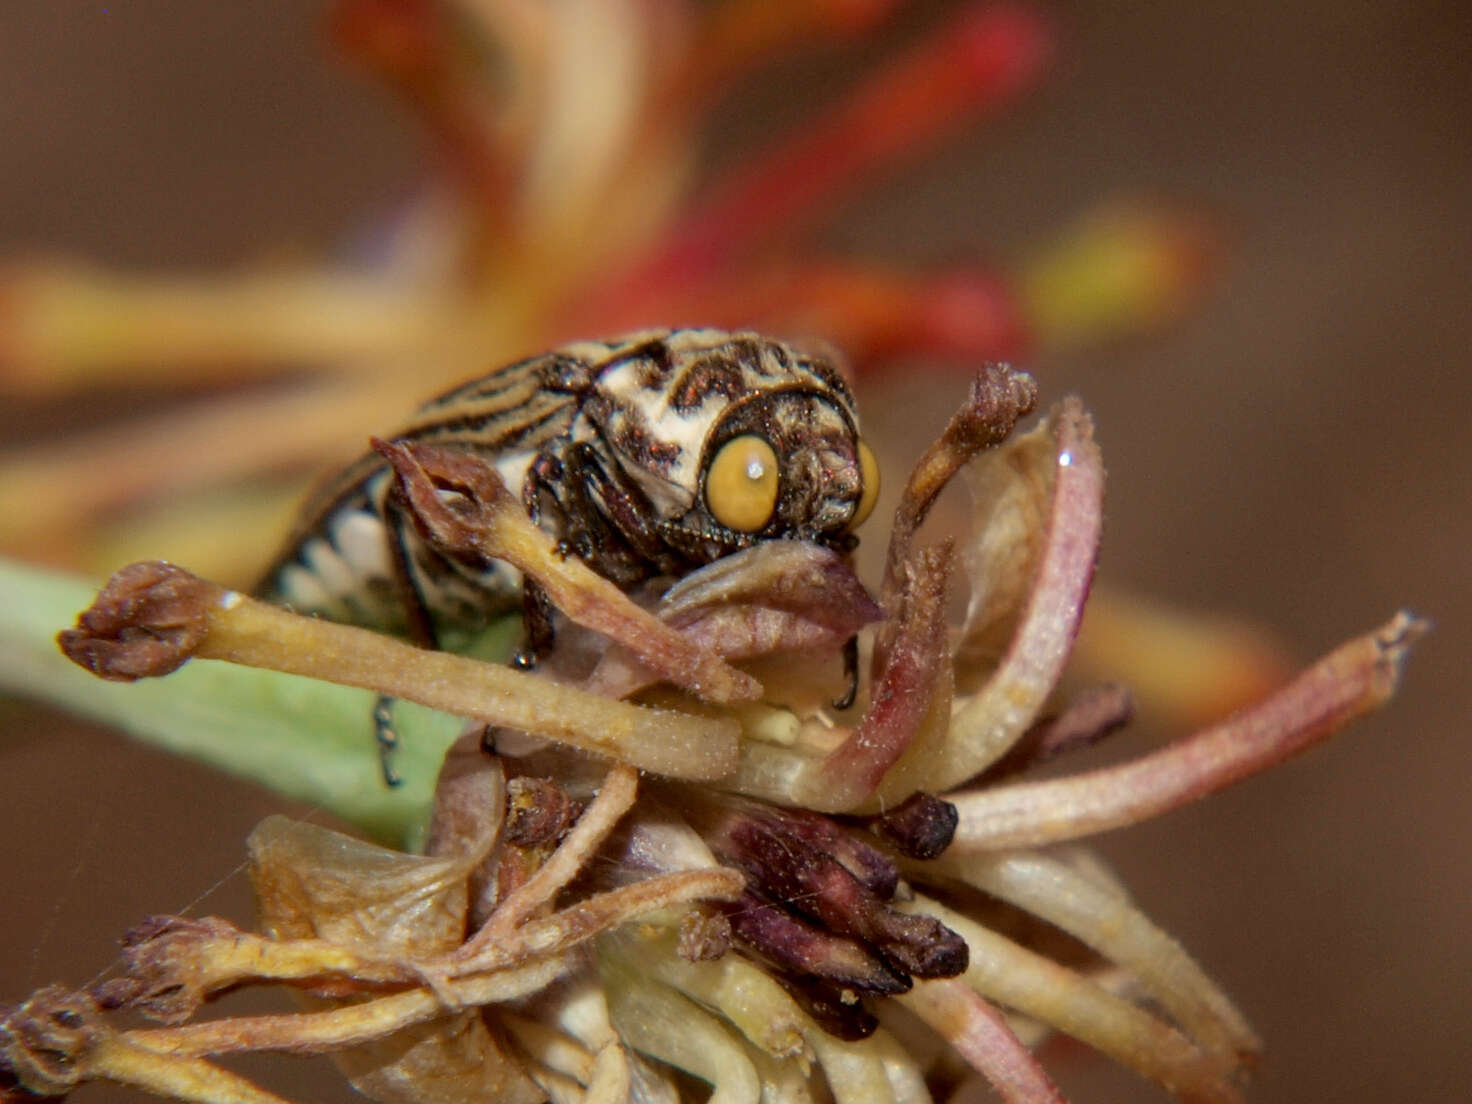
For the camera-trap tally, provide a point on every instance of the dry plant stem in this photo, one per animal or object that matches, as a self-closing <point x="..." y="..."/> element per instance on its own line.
<point x="499" y="528"/>
<point x="615" y="798"/>
<point x="1103" y="917"/>
<point x="57" y="1040"/>
<point x="979" y="1034"/>
<point x="70" y="327"/>
<point x="587" y="918"/>
<point x="1351" y="681"/>
<point x="658" y="1021"/>
<point x="1021" y="979"/>
<point x="88" y="476"/>
<point x="324" y="1032"/>
<point x="172" y="964"/>
<point x="211" y="622"/>
<point x="519" y="965"/>
<point x="233" y="957"/>
<point x="1005" y="706"/>
<point x="119" y="1060"/>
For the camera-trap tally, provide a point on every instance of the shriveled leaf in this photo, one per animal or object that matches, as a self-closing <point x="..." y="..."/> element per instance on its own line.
<point x="313" y="882"/>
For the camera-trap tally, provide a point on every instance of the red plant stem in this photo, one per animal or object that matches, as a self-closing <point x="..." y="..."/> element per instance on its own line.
<point x="408" y="44"/>
<point x="735" y="36"/>
<point x="966" y="313"/>
<point x="1349" y="682"/>
<point x="972" y="65"/>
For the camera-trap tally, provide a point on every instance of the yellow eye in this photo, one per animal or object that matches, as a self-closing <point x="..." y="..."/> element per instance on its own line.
<point x="741" y="485"/>
<point x="869" y="473"/>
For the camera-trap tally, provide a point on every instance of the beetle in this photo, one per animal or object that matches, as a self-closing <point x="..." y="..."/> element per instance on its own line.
<point x="646" y="456"/>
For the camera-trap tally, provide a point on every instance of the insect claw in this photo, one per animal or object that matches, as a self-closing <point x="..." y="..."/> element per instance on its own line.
<point x="388" y="738"/>
<point x="851" y="672"/>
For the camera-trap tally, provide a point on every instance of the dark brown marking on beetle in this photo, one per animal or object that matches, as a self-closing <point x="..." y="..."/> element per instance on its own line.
<point x="751" y="354"/>
<point x="715" y="373"/>
<point x="831" y="377"/>
<point x="625" y="429"/>
<point x="633" y="439"/>
<point x="569" y="375"/>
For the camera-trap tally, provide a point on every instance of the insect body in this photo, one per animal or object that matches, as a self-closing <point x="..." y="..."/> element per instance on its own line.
<point x="645" y="456"/>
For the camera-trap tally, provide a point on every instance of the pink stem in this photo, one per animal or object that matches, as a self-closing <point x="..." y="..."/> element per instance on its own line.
<point x="1349" y="682"/>
<point x="978" y="1033"/>
<point x="973" y="64"/>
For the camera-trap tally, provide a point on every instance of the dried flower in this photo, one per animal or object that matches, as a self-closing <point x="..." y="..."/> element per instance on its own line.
<point x="783" y="904"/>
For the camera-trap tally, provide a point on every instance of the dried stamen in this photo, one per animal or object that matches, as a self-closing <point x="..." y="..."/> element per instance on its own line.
<point x="922" y="827"/>
<point x="1349" y="682"/>
<point x="117" y="639"/>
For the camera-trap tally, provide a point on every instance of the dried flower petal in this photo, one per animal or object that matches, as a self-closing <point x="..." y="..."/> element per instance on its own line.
<point x="1003" y="709"/>
<point x="774" y="597"/>
<point x="906" y="685"/>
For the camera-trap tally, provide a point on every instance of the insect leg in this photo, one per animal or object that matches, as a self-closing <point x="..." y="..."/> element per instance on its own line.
<point x="627" y="508"/>
<point x="397" y="520"/>
<point x="416" y="614"/>
<point x="536" y="623"/>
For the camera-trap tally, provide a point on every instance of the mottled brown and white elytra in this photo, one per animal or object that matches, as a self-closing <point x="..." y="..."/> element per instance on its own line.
<point x="649" y="455"/>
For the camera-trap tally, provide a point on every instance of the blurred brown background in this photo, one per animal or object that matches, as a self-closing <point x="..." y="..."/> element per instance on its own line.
<point x="1295" y="451"/>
